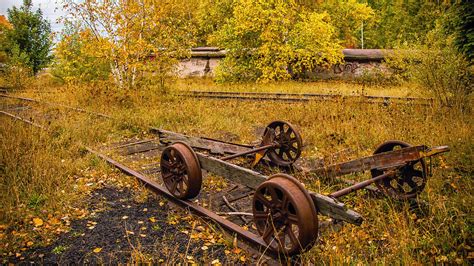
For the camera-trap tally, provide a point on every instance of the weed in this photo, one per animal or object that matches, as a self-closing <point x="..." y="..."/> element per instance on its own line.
<point x="59" y="249"/>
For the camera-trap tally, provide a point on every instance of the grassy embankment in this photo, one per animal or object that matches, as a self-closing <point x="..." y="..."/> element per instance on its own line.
<point x="390" y="232"/>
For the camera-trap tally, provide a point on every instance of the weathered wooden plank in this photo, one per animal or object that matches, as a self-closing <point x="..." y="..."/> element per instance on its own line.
<point x="376" y="161"/>
<point x="213" y="146"/>
<point x="335" y="209"/>
<point x="326" y="205"/>
<point x="139" y="148"/>
<point x="233" y="172"/>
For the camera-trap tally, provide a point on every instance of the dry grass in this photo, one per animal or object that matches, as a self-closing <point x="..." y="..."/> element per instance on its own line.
<point x="391" y="232"/>
<point x="323" y="87"/>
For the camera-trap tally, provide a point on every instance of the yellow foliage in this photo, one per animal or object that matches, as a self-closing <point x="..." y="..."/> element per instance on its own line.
<point x="136" y="37"/>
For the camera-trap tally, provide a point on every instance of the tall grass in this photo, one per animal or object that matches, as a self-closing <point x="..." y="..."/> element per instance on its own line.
<point x="392" y="232"/>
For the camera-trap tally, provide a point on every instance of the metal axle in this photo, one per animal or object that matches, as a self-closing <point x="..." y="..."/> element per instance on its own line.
<point x="360" y="185"/>
<point x="265" y="147"/>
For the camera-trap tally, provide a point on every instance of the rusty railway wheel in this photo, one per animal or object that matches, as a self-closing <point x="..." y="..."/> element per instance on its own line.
<point x="181" y="171"/>
<point x="289" y="140"/>
<point x="410" y="179"/>
<point x="285" y="215"/>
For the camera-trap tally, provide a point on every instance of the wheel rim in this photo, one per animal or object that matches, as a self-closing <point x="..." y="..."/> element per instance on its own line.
<point x="290" y="143"/>
<point x="284" y="215"/>
<point x="410" y="179"/>
<point x="180" y="171"/>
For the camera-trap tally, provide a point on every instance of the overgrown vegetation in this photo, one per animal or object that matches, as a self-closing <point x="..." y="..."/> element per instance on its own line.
<point x="391" y="231"/>
<point x="117" y="57"/>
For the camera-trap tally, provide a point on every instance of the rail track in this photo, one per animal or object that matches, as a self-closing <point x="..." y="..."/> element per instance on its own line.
<point x="303" y="97"/>
<point x="397" y="168"/>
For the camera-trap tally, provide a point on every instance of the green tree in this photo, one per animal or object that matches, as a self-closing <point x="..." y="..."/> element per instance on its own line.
<point x="402" y="23"/>
<point x="31" y="34"/>
<point x="465" y="29"/>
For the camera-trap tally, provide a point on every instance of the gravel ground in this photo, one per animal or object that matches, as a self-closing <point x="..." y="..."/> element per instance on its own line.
<point x="122" y="230"/>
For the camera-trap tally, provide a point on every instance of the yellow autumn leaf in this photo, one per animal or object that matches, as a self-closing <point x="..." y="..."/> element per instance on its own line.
<point x="152" y="219"/>
<point x="37" y="222"/>
<point x="97" y="250"/>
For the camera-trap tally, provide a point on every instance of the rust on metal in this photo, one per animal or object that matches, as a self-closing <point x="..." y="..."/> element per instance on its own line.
<point x="255" y="150"/>
<point x="181" y="171"/>
<point x="285" y="215"/>
<point x="289" y="142"/>
<point x="361" y="185"/>
<point x="213" y="146"/>
<point x="302" y="97"/>
<point x="325" y="205"/>
<point x="377" y="161"/>
<point x="56" y="104"/>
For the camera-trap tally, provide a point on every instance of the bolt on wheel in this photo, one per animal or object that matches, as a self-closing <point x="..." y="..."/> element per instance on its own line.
<point x="410" y="179"/>
<point x="181" y="171"/>
<point x="289" y="143"/>
<point x="285" y="215"/>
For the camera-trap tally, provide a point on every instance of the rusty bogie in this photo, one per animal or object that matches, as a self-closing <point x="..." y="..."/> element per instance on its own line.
<point x="181" y="171"/>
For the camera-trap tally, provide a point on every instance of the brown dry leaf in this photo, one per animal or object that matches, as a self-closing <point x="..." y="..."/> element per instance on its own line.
<point x="37" y="222"/>
<point x="237" y="250"/>
<point x="97" y="250"/>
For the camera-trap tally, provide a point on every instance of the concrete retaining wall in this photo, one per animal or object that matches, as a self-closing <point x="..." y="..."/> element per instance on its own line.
<point x="357" y="62"/>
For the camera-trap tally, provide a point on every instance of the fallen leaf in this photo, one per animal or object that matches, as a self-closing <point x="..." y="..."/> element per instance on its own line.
<point x="37" y="222"/>
<point x="216" y="261"/>
<point x="29" y="243"/>
<point x="152" y="219"/>
<point x="204" y="247"/>
<point x="97" y="250"/>
<point x="124" y="217"/>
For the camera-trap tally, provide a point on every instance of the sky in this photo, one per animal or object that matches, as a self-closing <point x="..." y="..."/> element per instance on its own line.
<point x="52" y="10"/>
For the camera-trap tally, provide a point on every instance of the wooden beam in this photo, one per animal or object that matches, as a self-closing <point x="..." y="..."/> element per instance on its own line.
<point x="213" y="146"/>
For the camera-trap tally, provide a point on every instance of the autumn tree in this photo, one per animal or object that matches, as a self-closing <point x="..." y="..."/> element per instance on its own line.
<point x="74" y="61"/>
<point x="264" y="39"/>
<point x="30" y="36"/>
<point x="140" y="39"/>
<point x="5" y="27"/>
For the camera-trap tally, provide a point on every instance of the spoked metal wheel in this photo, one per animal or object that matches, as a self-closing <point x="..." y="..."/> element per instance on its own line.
<point x="181" y="171"/>
<point x="289" y="140"/>
<point x="285" y="215"/>
<point x="410" y="179"/>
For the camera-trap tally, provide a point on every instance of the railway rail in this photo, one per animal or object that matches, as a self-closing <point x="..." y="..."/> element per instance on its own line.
<point x="303" y="97"/>
<point x="285" y="213"/>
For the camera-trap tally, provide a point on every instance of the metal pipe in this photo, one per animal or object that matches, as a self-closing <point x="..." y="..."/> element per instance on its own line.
<point x="265" y="147"/>
<point x="360" y="185"/>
